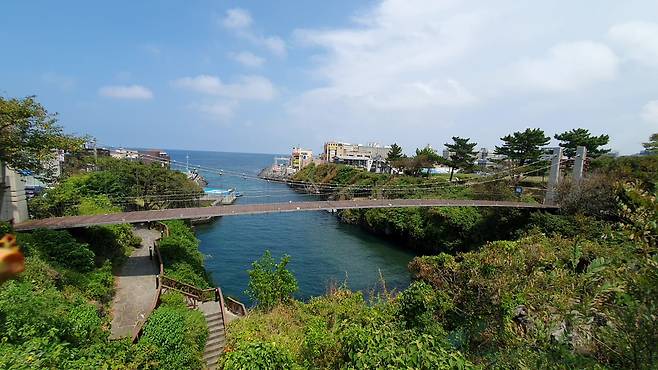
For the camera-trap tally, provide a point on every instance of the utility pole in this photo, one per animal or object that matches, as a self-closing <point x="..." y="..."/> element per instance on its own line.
<point x="93" y="141"/>
<point x="579" y="163"/>
<point x="554" y="177"/>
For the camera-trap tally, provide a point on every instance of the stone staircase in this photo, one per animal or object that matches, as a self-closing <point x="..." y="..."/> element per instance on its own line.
<point x="216" y="333"/>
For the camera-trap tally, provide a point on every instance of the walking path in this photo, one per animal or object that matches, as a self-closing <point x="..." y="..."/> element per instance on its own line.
<point x="135" y="286"/>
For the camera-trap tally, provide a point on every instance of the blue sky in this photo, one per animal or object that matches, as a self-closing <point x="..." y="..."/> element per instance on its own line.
<point x="256" y="76"/>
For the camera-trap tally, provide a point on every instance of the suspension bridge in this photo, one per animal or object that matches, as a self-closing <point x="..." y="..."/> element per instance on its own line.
<point x="394" y="201"/>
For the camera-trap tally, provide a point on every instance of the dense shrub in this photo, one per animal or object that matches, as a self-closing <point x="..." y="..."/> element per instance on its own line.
<point x="511" y="307"/>
<point x="128" y="185"/>
<point x="340" y="330"/>
<point x="181" y="256"/>
<point x="177" y="334"/>
<point x="62" y="249"/>
<point x="417" y="305"/>
<point x="595" y="195"/>
<point x="54" y="315"/>
<point x="259" y="355"/>
<point x="26" y="313"/>
<point x="271" y="283"/>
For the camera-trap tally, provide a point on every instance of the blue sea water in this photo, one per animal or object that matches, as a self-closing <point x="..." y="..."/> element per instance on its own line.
<point x="322" y="250"/>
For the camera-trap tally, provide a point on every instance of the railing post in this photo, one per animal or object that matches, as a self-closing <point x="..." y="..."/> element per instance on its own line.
<point x="579" y="163"/>
<point x="554" y="177"/>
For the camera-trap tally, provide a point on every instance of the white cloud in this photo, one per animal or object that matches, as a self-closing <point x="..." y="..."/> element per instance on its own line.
<point x="136" y="92"/>
<point x="639" y="40"/>
<point x="216" y="111"/>
<point x="245" y="88"/>
<point x="248" y="59"/>
<point x="237" y="18"/>
<point x="650" y="112"/>
<point x="274" y="44"/>
<point x="240" y="21"/>
<point x="568" y="66"/>
<point x="396" y="56"/>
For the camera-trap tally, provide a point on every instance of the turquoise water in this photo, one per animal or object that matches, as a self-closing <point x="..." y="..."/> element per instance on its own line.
<point x="323" y="251"/>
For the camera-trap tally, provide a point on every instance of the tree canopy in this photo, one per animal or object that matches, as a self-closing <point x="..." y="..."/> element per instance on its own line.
<point x="652" y="145"/>
<point x="570" y="140"/>
<point x="271" y="283"/>
<point x="395" y="153"/>
<point x="28" y="135"/>
<point x="429" y="153"/>
<point x="524" y="146"/>
<point x="462" y="155"/>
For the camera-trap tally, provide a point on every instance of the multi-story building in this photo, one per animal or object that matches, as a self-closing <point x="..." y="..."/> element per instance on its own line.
<point x="370" y="157"/>
<point x="300" y="158"/>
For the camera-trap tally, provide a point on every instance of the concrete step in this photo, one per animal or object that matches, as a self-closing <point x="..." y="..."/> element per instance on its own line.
<point x="211" y="358"/>
<point x="215" y="339"/>
<point x="213" y="317"/>
<point x="216" y="329"/>
<point x="213" y="349"/>
<point x="214" y="321"/>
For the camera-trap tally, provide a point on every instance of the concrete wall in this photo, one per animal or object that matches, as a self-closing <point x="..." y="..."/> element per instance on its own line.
<point x="13" y="202"/>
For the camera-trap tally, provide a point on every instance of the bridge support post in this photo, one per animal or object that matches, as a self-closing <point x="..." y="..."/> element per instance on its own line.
<point x="579" y="163"/>
<point x="553" y="177"/>
<point x="13" y="201"/>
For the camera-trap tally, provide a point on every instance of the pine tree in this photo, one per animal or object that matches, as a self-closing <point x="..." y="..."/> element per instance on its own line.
<point x="652" y="145"/>
<point x="523" y="147"/>
<point x="394" y="154"/>
<point x="462" y="155"/>
<point x="570" y="140"/>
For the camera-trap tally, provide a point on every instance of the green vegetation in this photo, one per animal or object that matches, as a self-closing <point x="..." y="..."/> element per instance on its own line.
<point x="28" y="134"/>
<point x="652" y="145"/>
<point x="56" y="313"/>
<point x="395" y="153"/>
<point x="271" y="283"/>
<point x="577" y="289"/>
<point x="428" y="230"/>
<point x="117" y="185"/>
<point x="340" y="330"/>
<point x="462" y="155"/>
<point x="175" y="335"/>
<point x="570" y="140"/>
<point x="181" y="257"/>
<point x="524" y="146"/>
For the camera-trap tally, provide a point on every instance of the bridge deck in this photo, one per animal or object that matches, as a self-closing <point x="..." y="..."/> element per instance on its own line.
<point x="246" y="209"/>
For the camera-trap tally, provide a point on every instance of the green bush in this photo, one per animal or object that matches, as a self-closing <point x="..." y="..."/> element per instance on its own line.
<point x="177" y="334"/>
<point x="259" y="355"/>
<point x="271" y="283"/>
<point x="97" y="285"/>
<point x="62" y="249"/>
<point x="181" y="256"/>
<point x="417" y="305"/>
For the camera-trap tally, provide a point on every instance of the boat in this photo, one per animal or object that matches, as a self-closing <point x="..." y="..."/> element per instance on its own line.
<point x="194" y="175"/>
